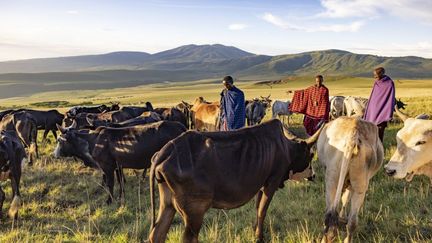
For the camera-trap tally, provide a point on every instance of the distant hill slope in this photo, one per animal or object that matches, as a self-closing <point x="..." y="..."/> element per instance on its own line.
<point x="192" y="62"/>
<point x="337" y="62"/>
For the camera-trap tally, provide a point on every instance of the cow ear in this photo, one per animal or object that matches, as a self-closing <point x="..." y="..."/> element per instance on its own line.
<point x="61" y="129"/>
<point x="423" y="116"/>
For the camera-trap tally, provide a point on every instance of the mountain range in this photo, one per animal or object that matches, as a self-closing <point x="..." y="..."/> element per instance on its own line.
<point x="192" y="62"/>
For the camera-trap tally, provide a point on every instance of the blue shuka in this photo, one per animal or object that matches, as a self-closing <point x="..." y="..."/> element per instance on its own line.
<point x="233" y="112"/>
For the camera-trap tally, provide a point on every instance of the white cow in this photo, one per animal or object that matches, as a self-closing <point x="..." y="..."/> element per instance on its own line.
<point x="351" y="152"/>
<point x="414" y="143"/>
<point x="280" y="109"/>
<point x="355" y="106"/>
<point x="336" y="106"/>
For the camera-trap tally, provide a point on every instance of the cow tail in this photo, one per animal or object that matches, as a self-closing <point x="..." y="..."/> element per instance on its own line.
<point x="351" y="149"/>
<point x="152" y="194"/>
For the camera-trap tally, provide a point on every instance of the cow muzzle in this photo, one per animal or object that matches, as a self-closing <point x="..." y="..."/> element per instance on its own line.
<point x="390" y="172"/>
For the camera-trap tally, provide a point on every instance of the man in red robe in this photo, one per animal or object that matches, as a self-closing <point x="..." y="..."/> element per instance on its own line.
<point x="314" y="103"/>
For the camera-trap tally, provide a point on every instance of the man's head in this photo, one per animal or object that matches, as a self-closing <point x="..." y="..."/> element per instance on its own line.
<point x="228" y="82"/>
<point x="379" y="73"/>
<point x="319" y="80"/>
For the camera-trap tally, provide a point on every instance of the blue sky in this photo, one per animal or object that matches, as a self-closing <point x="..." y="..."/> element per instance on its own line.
<point x="47" y="28"/>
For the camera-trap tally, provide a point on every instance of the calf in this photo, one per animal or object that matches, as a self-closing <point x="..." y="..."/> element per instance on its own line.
<point x="351" y="152"/>
<point x="113" y="149"/>
<point x="12" y="155"/>
<point x="172" y="114"/>
<point x="224" y="170"/>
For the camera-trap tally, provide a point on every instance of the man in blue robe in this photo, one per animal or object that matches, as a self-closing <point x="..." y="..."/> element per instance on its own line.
<point x="232" y="105"/>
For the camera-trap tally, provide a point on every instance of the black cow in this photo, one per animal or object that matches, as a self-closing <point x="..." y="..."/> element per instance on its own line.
<point x="255" y="112"/>
<point x="224" y="170"/>
<point x="80" y="120"/>
<point x="185" y="108"/>
<point x="92" y="109"/>
<point x="12" y="154"/>
<point x="113" y="149"/>
<point x="24" y="125"/>
<point x="47" y="120"/>
<point x="172" y="114"/>
<point x="146" y="118"/>
<point x="135" y="111"/>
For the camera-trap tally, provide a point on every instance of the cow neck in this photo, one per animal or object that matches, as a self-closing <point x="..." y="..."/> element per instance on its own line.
<point x="90" y="138"/>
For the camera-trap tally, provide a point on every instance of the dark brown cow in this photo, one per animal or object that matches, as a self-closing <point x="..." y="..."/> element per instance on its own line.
<point x="111" y="116"/>
<point x="135" y="111"/>
<point x="12" y="154"/>
<point x="146" y="118"/>
<point x="80" y="120"/>
<point x="24" y="125"/>
<point x="185" y="108"/>
<point x="172" y="114"/>
<point x="74" y="111"/>
<point x="224" y="170"/>
<point x="47" y="120"/>
<point x="117" y="148"/>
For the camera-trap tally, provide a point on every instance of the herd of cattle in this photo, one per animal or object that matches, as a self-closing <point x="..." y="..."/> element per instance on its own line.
<point x="196" y="167"/>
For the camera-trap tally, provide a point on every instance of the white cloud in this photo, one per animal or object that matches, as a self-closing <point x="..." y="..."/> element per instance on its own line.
<point x="312" y="27"/>
<point x="73" y="12"/>
<point x="422" y="49"/>
<point x="237" y="26"/>
<point x="417" y="9"/>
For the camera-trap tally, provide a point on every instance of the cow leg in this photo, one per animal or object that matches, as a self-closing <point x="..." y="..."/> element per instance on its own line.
<point x="16" y="201"/>
<point x="331" y="217"/>
<point x="193" y="214"/>
<point x="346" y="196"/>
<point x="357" y="200"/>
<point x="120" y="180"/>
<point x="257" y="204"/>
<point x="2" y="198"/>
<point x="54" y="132"/>
<point x="166" y="214"/>
<point x="109" y="176"/>
<point x="266" y="197"/>
<point x="45" y="135"/>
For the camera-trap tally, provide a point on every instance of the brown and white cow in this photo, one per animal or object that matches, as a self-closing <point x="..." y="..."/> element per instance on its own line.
<point x="351" y="152"/>
<point x="223" y="170"/>
<point x="414" y="143"/>
<point x="205" y="115"/>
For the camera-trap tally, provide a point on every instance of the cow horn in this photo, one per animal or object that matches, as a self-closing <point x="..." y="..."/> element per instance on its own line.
<point x="312" y="139"/>
<point x="74" y="124"/>
<point x="61" y="129"/>
<point x="89" y="121"/>
<point x="401" y="115"/>
<point x="288" y="133"/>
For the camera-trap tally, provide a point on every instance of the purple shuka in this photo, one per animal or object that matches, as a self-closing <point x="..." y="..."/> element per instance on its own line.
<point x="381" y="101"/>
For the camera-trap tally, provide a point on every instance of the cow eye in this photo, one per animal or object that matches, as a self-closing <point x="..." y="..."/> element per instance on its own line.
<point x="420" y="143"/>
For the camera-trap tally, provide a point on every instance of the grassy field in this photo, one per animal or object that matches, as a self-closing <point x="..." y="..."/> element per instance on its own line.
<point x="64" y="202"/>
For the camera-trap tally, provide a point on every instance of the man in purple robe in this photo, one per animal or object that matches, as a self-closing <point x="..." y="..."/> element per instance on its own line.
<point x="381" y="102"/>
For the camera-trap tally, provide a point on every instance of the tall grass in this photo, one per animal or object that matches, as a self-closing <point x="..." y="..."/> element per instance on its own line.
<point x="64" y="202"/>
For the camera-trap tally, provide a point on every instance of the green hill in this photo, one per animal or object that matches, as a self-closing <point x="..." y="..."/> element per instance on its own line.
<point x="192" y="62"/>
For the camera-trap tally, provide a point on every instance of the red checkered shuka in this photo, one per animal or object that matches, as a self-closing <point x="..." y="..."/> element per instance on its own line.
<point x="312" y="102"/>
